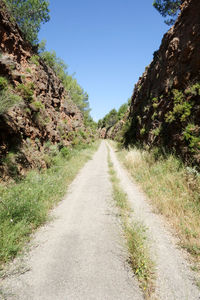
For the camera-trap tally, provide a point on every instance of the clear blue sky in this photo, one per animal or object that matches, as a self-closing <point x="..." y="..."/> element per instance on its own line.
<point x="106" y="43"/>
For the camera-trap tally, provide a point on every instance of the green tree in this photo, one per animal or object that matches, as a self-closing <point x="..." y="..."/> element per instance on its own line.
<point x="122" y="110"/>
<point x="168" y="8"/>
<point x="76" y="92"/>
<point x="29" y="15"/>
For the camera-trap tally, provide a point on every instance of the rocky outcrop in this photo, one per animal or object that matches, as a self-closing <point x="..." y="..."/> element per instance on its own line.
<point x="45" y="113"/>
<point x="165" y="108"/>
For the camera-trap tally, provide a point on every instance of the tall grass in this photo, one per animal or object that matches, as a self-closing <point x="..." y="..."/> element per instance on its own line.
<point x="24" y="206"/>
<point x="135" y="234"/>
<point x="174" y="191"/>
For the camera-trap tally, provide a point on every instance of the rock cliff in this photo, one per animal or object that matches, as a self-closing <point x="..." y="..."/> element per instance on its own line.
<point x="35" y="110"/>
<point x="165" y="108"/>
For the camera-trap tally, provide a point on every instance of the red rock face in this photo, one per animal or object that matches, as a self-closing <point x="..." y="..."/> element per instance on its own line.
<point x="166" y="102"/>
<point x="48" y="117"/>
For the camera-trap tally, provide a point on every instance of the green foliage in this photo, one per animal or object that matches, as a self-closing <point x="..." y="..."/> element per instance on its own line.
<point x="34" y="60"/>
<point x="169" y="8"/>
<point x="182" y="108"/>
<point x="110" y="119"/>
<point x="122" y="110"/>
<point x="66" y="152"/>
<point x="38" y="105"/>
<point x="76" y="92"/>
<point x="28" y="70"/>
<point x="26" y="91"/>
<point x="24" y="206"/>
<point x="113" y="116"/>
<point x="54" y="62"/>
<point x="192" y="136"/>
<point x="156" y="131"/>
<point x="29" y="15"/>
<point x="193" y="90"/>
<point x="142" y="131"/>
<point x="7" y="100"/>
<point x="3" y="83"/>
<point x="10" y="163"/>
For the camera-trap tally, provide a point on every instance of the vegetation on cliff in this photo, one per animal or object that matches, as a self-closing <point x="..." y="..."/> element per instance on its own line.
<point x="29" y="15"/>
<point x="164" y="111"/>
<point x="168" y="8"/>
<point x="40" y="102"/>
<point x="76" y="92"/>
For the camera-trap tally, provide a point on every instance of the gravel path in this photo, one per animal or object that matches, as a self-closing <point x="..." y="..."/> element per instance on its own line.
<point x="175" y="280"/>
<point x="80" y="254"/>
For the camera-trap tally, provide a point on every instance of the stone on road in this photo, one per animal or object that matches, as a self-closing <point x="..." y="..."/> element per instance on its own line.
<point x="81" y="253"/>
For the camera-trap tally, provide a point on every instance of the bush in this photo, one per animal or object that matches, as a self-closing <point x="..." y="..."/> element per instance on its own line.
<point x="10" y="162"/>
<point x="7" y="100"/>
<point x="65" y="152"/>
<point x="34" y="60"/>
<point x="26" y="91"/>
<point x="38" y="105"/>
<point x="3" y="83"/>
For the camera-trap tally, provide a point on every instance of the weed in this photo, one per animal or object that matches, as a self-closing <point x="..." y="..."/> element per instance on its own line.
<point x="182" y="108"/>
<point x="26" y="91"/>
<point x="191" y="135"/>
<point x="135" y="236"/>
<point x="9" y="161"/>
<point x="193" y="89"/>
<point x="173" y="189"/>
<point x="156" y="131"/>
<point x="34" y="60"/>
<point x="66" y="152"/>
<point x="3" y="83"/>
<point x="38" y="105"/>
<point x="8" y="100"/>
<point x="28" y="70"/>
<point x="142" y="131"/>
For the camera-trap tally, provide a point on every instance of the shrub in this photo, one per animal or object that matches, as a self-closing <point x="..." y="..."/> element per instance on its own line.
<point x="26" y="91"/>
<point x="10" y="162"/>
<point x="194" y="89"/>
<point x="3" y="83"/>
<point x="142" y="131"/>
<point x="34" y="60"/>
<point x="191" y="135"/>
<point x="28" y="70"/>
<point x="65" y="152"/>
<point x="38" y="105"/>
<point x="7" y="100"/>
<point x="182" y="108"/>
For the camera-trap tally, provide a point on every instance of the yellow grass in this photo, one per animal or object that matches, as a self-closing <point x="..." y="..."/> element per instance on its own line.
<point x="174" y="191"/>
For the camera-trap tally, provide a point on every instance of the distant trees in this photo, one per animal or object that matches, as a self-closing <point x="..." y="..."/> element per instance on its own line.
<point x="29" y="15"/>
<point x="168" y="8"/>
<point x="113" y="116"/>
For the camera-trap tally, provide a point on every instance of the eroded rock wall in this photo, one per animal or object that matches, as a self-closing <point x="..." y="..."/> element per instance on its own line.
<point x="165" y="108"/>
<point x="45" y="115"/>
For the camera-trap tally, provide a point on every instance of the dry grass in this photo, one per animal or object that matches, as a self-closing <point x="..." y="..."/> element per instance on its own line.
<point x="135" y="234"/>
<point x="174" y="191"/>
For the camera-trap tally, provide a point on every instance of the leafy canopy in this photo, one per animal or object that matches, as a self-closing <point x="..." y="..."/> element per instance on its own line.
<point x="29" y="15"/>
<point x="113" y="116"/>
<point x="169" y="8"/>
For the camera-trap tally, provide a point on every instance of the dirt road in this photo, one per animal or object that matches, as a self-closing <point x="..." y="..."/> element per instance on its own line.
<point x="81" y="254"/>
<point x="174" y="278"/>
